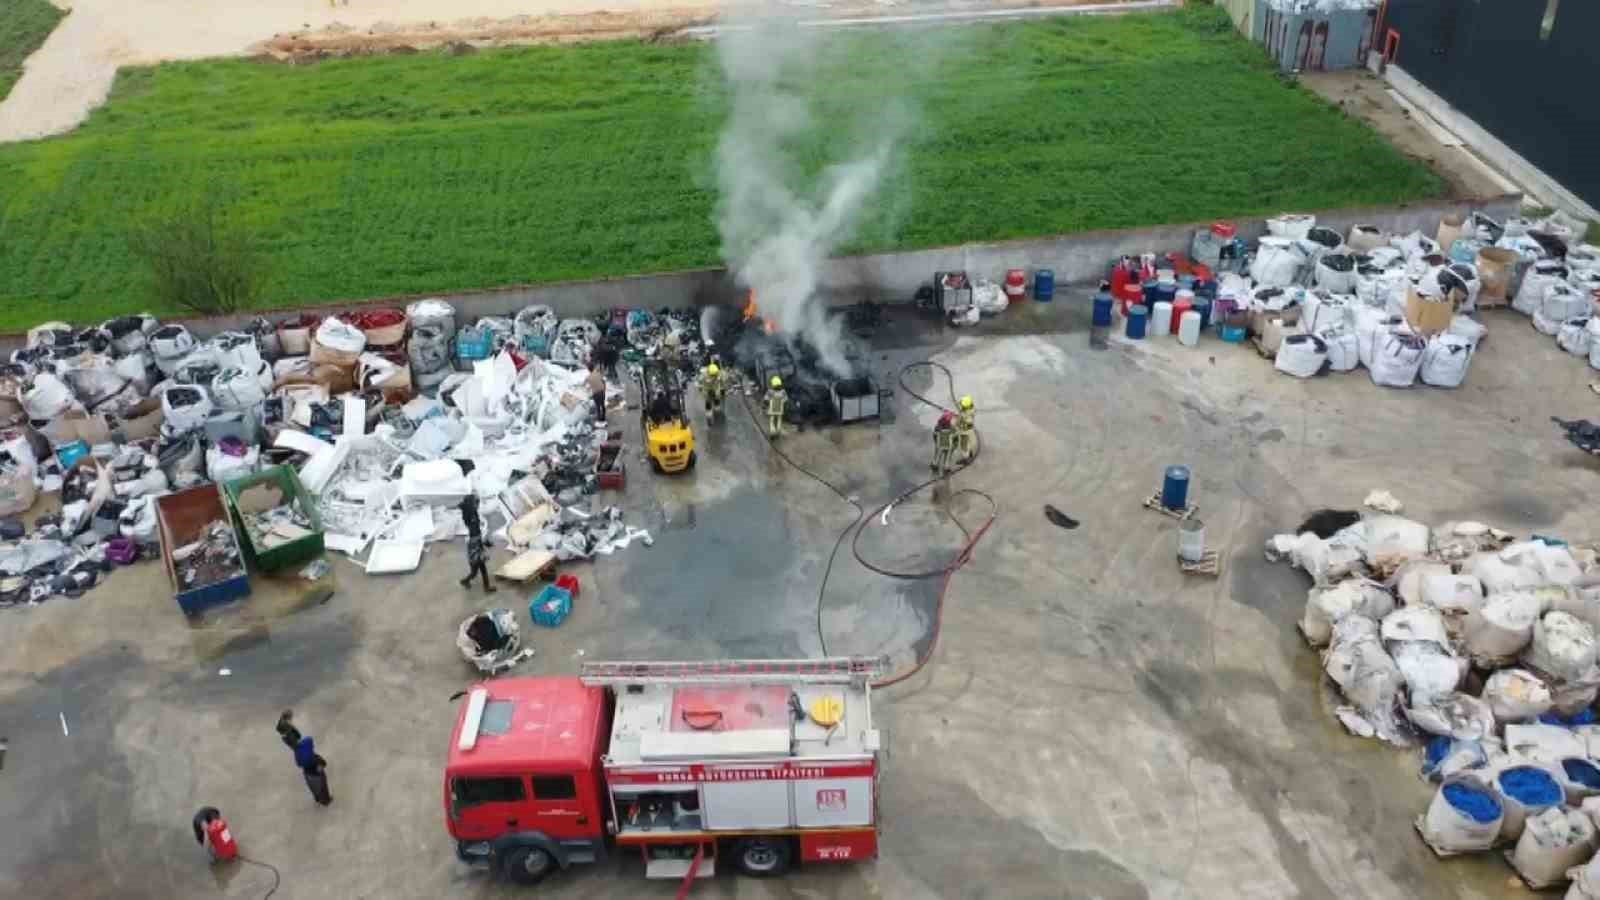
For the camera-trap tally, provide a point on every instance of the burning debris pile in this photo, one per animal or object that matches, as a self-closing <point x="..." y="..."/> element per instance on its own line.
<point x="1483" y="648"/>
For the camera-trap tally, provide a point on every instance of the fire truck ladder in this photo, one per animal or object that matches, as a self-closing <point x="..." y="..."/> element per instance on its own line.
<point x="830" y="670"/>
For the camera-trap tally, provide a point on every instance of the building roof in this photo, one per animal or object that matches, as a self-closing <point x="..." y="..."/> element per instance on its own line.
<point x="554" y="724"/>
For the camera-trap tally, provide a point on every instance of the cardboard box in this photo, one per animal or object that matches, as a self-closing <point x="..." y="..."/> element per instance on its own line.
<point x="1259" y="319"/>
<point x="74" y="425"/>
<point x="1428" y="316"/>
<point x="142" y="421"/>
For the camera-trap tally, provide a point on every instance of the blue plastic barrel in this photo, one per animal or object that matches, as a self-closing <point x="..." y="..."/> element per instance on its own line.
<point x="1138" y="316"/>
<point x="1102" y="310"/>
<point x="1150" y="297"/>
<point x="1175" y="487"/>
<point x="1166" y="292"/>
<point x="1044" y="285"/>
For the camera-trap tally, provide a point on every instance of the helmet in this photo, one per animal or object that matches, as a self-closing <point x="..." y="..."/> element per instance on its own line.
<point x="966" y="402"/>
<point x="713" y="370"/>
<point x="777" y="382"/>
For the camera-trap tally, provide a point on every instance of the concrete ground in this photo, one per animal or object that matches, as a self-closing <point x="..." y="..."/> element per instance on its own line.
<point x="1092" y="724"/>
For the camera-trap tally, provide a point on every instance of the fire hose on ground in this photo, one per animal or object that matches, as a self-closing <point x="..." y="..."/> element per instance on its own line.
<point x="945" y="572"/>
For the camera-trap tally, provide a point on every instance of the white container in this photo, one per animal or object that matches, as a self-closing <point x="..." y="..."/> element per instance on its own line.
<point x="1189" y="329"/>
<point x="1161" y="319"/>
<point x="1191" y="540"/>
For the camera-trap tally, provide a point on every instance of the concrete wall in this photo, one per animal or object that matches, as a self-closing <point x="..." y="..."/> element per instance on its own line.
<point x="885" y="277"/>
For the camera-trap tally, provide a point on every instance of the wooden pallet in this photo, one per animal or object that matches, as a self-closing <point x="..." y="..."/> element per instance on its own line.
<point x="1209" y="564"/>
<point x="1154" y="502"/>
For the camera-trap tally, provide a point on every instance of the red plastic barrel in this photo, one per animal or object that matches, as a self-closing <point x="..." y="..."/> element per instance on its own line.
<point x="1016" y="285"/>
<point x="1224" y="230"/>
<point x="1130" y="294"/>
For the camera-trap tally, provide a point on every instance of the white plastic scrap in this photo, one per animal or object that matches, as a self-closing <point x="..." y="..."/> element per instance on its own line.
<point x="1563" y="646"/>
<point x="1382" y="501"/>
<point x="1516" y="695"/>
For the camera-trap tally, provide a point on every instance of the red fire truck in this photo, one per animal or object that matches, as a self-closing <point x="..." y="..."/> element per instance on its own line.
<point x="762" y="762"/>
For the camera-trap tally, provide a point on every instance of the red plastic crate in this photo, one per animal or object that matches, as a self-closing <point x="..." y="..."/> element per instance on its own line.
<point x="568" y="583"/>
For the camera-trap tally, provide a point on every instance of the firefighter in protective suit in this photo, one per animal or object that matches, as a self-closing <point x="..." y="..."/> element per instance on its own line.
<point x="777" y="402"/>
<point x="966" y="429"/>
<point x="944" y="444"/>
<point x="715" y="385"/>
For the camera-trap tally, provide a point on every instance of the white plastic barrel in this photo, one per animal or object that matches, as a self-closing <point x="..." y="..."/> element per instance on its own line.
<point x="1161" y="319"/>
<point x="1191" y="540"/>
<point x="1189" y="329"/>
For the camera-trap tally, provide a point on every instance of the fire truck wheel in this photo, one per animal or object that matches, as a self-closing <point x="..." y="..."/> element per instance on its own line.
<point x="528" y="865"/>
<point x="761" y="857"/>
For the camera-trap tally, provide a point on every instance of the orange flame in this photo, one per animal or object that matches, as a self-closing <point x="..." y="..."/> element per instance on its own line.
<point x="751" y="312"/>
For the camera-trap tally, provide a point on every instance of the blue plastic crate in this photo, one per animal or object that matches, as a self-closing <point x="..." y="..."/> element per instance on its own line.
<point x="551" y="606"/>
<point x="474" y="343"/>
<point x="537" y="344"/>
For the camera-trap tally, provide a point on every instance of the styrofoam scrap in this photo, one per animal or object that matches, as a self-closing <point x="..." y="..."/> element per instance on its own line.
<point x="355" y="415"/>
<point x="391" y="556"/>
<point x="440" y="478"/>
<point x="1382" y="501"/>
<point x="318" y="469"/>
<point x="349" y="545"/>
<point x="416" y="525"/>
<point x="302" y="442"/>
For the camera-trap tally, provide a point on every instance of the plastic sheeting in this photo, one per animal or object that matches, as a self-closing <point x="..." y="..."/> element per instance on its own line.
<point x="1277" y="262"/>
<point x="1516" y="695"/>
<point x="1563" y="646"/>
<point x="1368" y="677"/>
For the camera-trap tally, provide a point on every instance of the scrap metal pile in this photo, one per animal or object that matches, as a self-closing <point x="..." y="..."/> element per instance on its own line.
<point x="390" y="416"/>
<point x="1482" y="648"/>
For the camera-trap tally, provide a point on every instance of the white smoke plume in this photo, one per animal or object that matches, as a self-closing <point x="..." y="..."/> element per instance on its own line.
<point x="778" y="226"/>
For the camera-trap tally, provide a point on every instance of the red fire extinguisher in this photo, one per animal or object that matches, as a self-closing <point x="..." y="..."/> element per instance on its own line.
<point x="211" y="831"/>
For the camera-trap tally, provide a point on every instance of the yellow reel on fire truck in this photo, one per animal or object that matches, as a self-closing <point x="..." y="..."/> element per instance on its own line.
<point x="827" y="711"/>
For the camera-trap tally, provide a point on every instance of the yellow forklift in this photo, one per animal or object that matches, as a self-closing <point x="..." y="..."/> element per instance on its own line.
<point x="667" y="436"/>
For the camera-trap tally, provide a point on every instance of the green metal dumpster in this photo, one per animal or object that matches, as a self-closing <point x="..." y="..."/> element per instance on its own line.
<point x="276" y="518"/>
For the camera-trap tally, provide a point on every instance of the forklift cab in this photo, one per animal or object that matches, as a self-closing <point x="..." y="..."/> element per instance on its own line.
<point x="668" y="438"/>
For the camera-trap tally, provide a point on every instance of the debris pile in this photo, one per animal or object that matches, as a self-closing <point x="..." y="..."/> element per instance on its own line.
<point x="211" y="558"/>
<point x="1400" y="306"/>
<point x="1483" y="649"/>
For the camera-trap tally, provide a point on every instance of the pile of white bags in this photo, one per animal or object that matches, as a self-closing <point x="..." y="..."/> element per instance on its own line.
<point x="1336" y="273"/>
<point x="1498" y="630"/>
<point x="337" y="343"/>
<point x="184" y="407"/>
<point x="1563" y="647"/>
<point x="1536" y="283"/>
<point x="1326" y="607"/>
<point x="1516" y="695"/>
<point x="1574" y="336"/>
<point x="1367" y="676"/>
<point x="1344" y="349"/>
<point x="1551" y="843"/>
<point x="170" y="345"/>
<point x="1277" y="262"/>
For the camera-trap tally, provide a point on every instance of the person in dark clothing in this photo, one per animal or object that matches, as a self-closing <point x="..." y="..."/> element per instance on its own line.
<point x="611" y="351"/>
<point x="469" y="514"/>
<point x="315" y="769"/>
<point x="477" y="562"/>
<point x="286" y="729"/>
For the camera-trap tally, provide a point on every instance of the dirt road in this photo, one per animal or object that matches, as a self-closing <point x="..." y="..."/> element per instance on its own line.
<point x="72" y="72"/>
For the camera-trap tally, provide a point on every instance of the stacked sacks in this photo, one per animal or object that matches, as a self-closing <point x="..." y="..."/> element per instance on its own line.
<point x="337" y="343"/>
<point x="1396" y="359"/>
<point x="170" y="345"/>
<point x="1445" y="360"/>
<point x="1561" y="302"/>
<point x="1575" y="336"/>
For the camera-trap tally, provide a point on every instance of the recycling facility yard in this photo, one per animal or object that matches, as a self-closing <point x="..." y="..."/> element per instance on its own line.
<point x="1093" y="722"/>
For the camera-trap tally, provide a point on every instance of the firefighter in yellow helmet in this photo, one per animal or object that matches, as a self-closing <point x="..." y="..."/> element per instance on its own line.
<point x="966" y="429"/>
<point x="777" y="402"/>
<point x="715" y="386"/>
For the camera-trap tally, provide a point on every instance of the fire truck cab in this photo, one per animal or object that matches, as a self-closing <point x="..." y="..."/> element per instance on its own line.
<point x="767" y="763"/>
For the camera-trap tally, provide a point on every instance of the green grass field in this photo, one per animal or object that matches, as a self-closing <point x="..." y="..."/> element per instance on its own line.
<point x="24" y="24"/>
<point x="408" y="174"/>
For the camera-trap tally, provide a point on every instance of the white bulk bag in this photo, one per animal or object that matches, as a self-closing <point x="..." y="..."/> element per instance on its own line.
<point x="135" y="367"/>
<point x="1574" y="336"/>
<point x="1516" y="695"/>
<point x="236" y="389"/>
<point x="1454" y="596"/>
<point x="1577" y="695"/>
<point x="1583" y="258"/>
<point x="1563" y="302"/>
<point x="1387" y="537"/>
<point x="1326" y="607"/>
<point x="1501" y="628"/>
<point x="1414" y="623"/>
<point x="1344" y="350"/>
<point x="1396" y="359"/>
<point x="1365" y="673"/>
<point x="1336" y="273"/>
<point x="1294" y="226"/>
<point x="1544" y="743"/>
<point x="1406" y="581"/>
<point x="336" y="334"/>
<point x="169" y="344"/>
<point x="1445" y="360"/>
<point x="236" y="350"/>
<point x="1551" y="843"/>
<point x="433" y="312"/>
<point x="1555" y="563"/>
<point x="1324" y="312"/>
<point x="222" y="466"/>
<point x="1563" y="646"/>
<point x="1364" y="238"/>
<point x="46" y="397"/>
<point x="1536" y="282"/>
<point x="1325" y="561"/>
<point x="1459" y="716"/>
<point x="1301" y="355"/>
<point x="1448" y="829"/>
<point x="1277" y="262"/>
<point x="1504" y="571"/>
<point x="184" y="407"/>
<point x="1429" y="669"/>
<point x="429" y="349"/>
